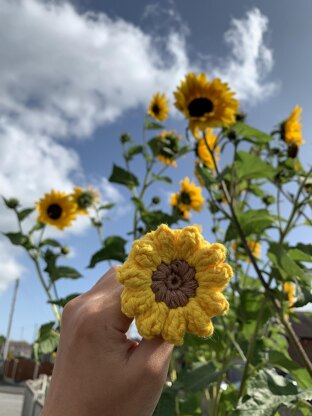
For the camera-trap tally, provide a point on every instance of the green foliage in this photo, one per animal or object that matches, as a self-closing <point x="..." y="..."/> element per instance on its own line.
<point x="266" y="392"/>
<point x="113" y="249"/>
<point x="123" y="177"/>
<point x="251" y="222"/>
<point x="47" y="340"/>
<point x="256" y="192"/>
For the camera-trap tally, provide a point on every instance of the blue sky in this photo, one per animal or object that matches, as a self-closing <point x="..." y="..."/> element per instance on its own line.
<point x="75" y="75"/>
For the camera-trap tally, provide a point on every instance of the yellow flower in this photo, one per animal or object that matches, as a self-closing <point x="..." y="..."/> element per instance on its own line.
<point x="254" y="246"/>
<point x="173" y="281"/>
<point x="57" y="209"/>
<point x="158" y="108"/>
<point x="203" y="153"/>
<point x="168" y="147"/>
<point x="206" y="103"/>
<point x="177" y="210"/>
<point x="289" y="289"/>
<point x="291" y="128"/>
<point x="84" y="199"/>
<point x="189" y="197"/>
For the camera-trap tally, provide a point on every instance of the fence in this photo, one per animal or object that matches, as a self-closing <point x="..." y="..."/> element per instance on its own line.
<point x="34" y="396"/>
<point x="25" y="369"/>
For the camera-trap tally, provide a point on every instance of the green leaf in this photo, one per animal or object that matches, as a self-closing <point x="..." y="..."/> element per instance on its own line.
<point x="166" y="404"/>
<point x="50" y="242"/>
<point x="66" y="272"/>
<point x="114" y="249"/>
<point x="298" y="255"/>
<point x="19" y="239"/>
<point x="162" y="178"/>
<point x="155" y="145"/>
<point x="107" y="206"/>
<point x="38" y="226"/>
<point x="132" y="151"/>
<point x="123" y="177"/>
<point x="48" y="339"/>
<point x="151" y="125"/>
<point x="206" y="175"/>
<point x="303" y="295"/>
<point x="24" y="213"/>
<point x="199" y="378"/>
<point x="250" y="166"/>
<point x="251" y="222"/>
<point x="266" y="392"/>
<point x="62" y="301"/>
<point x="251" y="134"/>
<point x="283" y="262"/>
<point x="152" y="219"/>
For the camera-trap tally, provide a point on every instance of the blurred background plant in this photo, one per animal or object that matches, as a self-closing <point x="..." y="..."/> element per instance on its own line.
<point x="245" y="366"/>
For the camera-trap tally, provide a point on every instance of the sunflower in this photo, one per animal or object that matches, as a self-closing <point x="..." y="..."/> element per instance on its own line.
<point x="289" y="289"/>
<point x="84" y="199"/>
<point x="168" y="147"/>
<point x="203" y="153"/>
<point x="57" y="209"/>
<point x="253" y="245"/>
<point x="189" y="197"/>
<point x="206" y="103"/>
<point x="158" y="108"/>
<point x="291" y="129"/>
<point x="173" y="281"/>
<point x="176" y="207"/>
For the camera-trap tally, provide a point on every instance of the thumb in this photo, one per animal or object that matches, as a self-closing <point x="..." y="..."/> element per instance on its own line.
<point x="153" y="354"/>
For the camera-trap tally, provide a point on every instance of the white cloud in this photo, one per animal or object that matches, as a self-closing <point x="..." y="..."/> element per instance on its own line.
<point x="250" y="61"/>
<point x="10" y="268"/>
<point x="63" y="74"/>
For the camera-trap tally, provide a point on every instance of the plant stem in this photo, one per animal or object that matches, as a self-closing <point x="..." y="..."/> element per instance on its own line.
<point x="251" y="349"/>
<point x="46" y="289"/>
<point x="292" y="335"/>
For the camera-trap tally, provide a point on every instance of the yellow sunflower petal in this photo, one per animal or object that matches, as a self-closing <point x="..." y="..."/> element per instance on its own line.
<point x="134" y="302"/>
<point x="151" y="322"/>
<point x="174" y="327"/>
<point x="198" y="321"/>
<point x="144" y="254"/>
<point x="132" y="276"/>
<point x="189" y="241"/>
<point x="164" y="243"/>
<point x="210" y="255"/>
<point x="213" y="303"/>
<point x="215" y="277"/>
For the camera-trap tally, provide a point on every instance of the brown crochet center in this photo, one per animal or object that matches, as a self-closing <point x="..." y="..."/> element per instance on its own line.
<point x="174" y="283"/>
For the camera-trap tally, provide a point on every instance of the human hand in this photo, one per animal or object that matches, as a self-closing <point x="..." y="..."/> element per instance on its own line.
<point x="98" y="371"/>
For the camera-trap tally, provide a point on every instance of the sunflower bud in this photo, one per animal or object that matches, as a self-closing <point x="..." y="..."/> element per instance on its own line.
<point x="12" y="203"/>
<point x="125" y="138"/>
<point x="268" y="199"/>
<point x="240" y="116"/>
<point x="65" y="250"/>
<point x="155" y="200"/>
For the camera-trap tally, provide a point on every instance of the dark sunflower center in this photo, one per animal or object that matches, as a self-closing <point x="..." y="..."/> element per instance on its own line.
<point x="174" y="283"/>
<point x="156" y="109"/>
<point x="185" y="198"/>
<point x="200" y="106"/>
<point x="54" y="211"/>
<point x="85" y="200"/>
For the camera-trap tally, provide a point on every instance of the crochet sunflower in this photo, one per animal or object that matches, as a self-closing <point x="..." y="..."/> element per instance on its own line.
<point x="173" y="281"/>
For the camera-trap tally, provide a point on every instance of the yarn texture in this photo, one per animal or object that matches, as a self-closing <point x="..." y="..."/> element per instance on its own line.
<point x="173" y="281"/>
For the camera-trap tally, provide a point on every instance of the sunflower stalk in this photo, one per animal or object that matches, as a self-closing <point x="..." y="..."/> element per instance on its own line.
<point x="292" y="335"/>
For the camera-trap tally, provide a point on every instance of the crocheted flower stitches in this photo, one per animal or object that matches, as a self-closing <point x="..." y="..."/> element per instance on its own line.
<point x="173" y="281"/>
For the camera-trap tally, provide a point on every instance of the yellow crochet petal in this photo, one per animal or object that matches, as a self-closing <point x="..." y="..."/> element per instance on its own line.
<point x="164" y="243"/>
<point x="210" y="255"/>
<point x="135" y="301"/>
<point x="131" y="276"/>
<point x="151" y="322"/>
<point x="144" y="254"/>
<point x="213" y="303"/>
<point x="174" y="327"/>
<point x="188" y="242"/>
<point x="215" y="278"/>
<point x="198" y="320"/>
